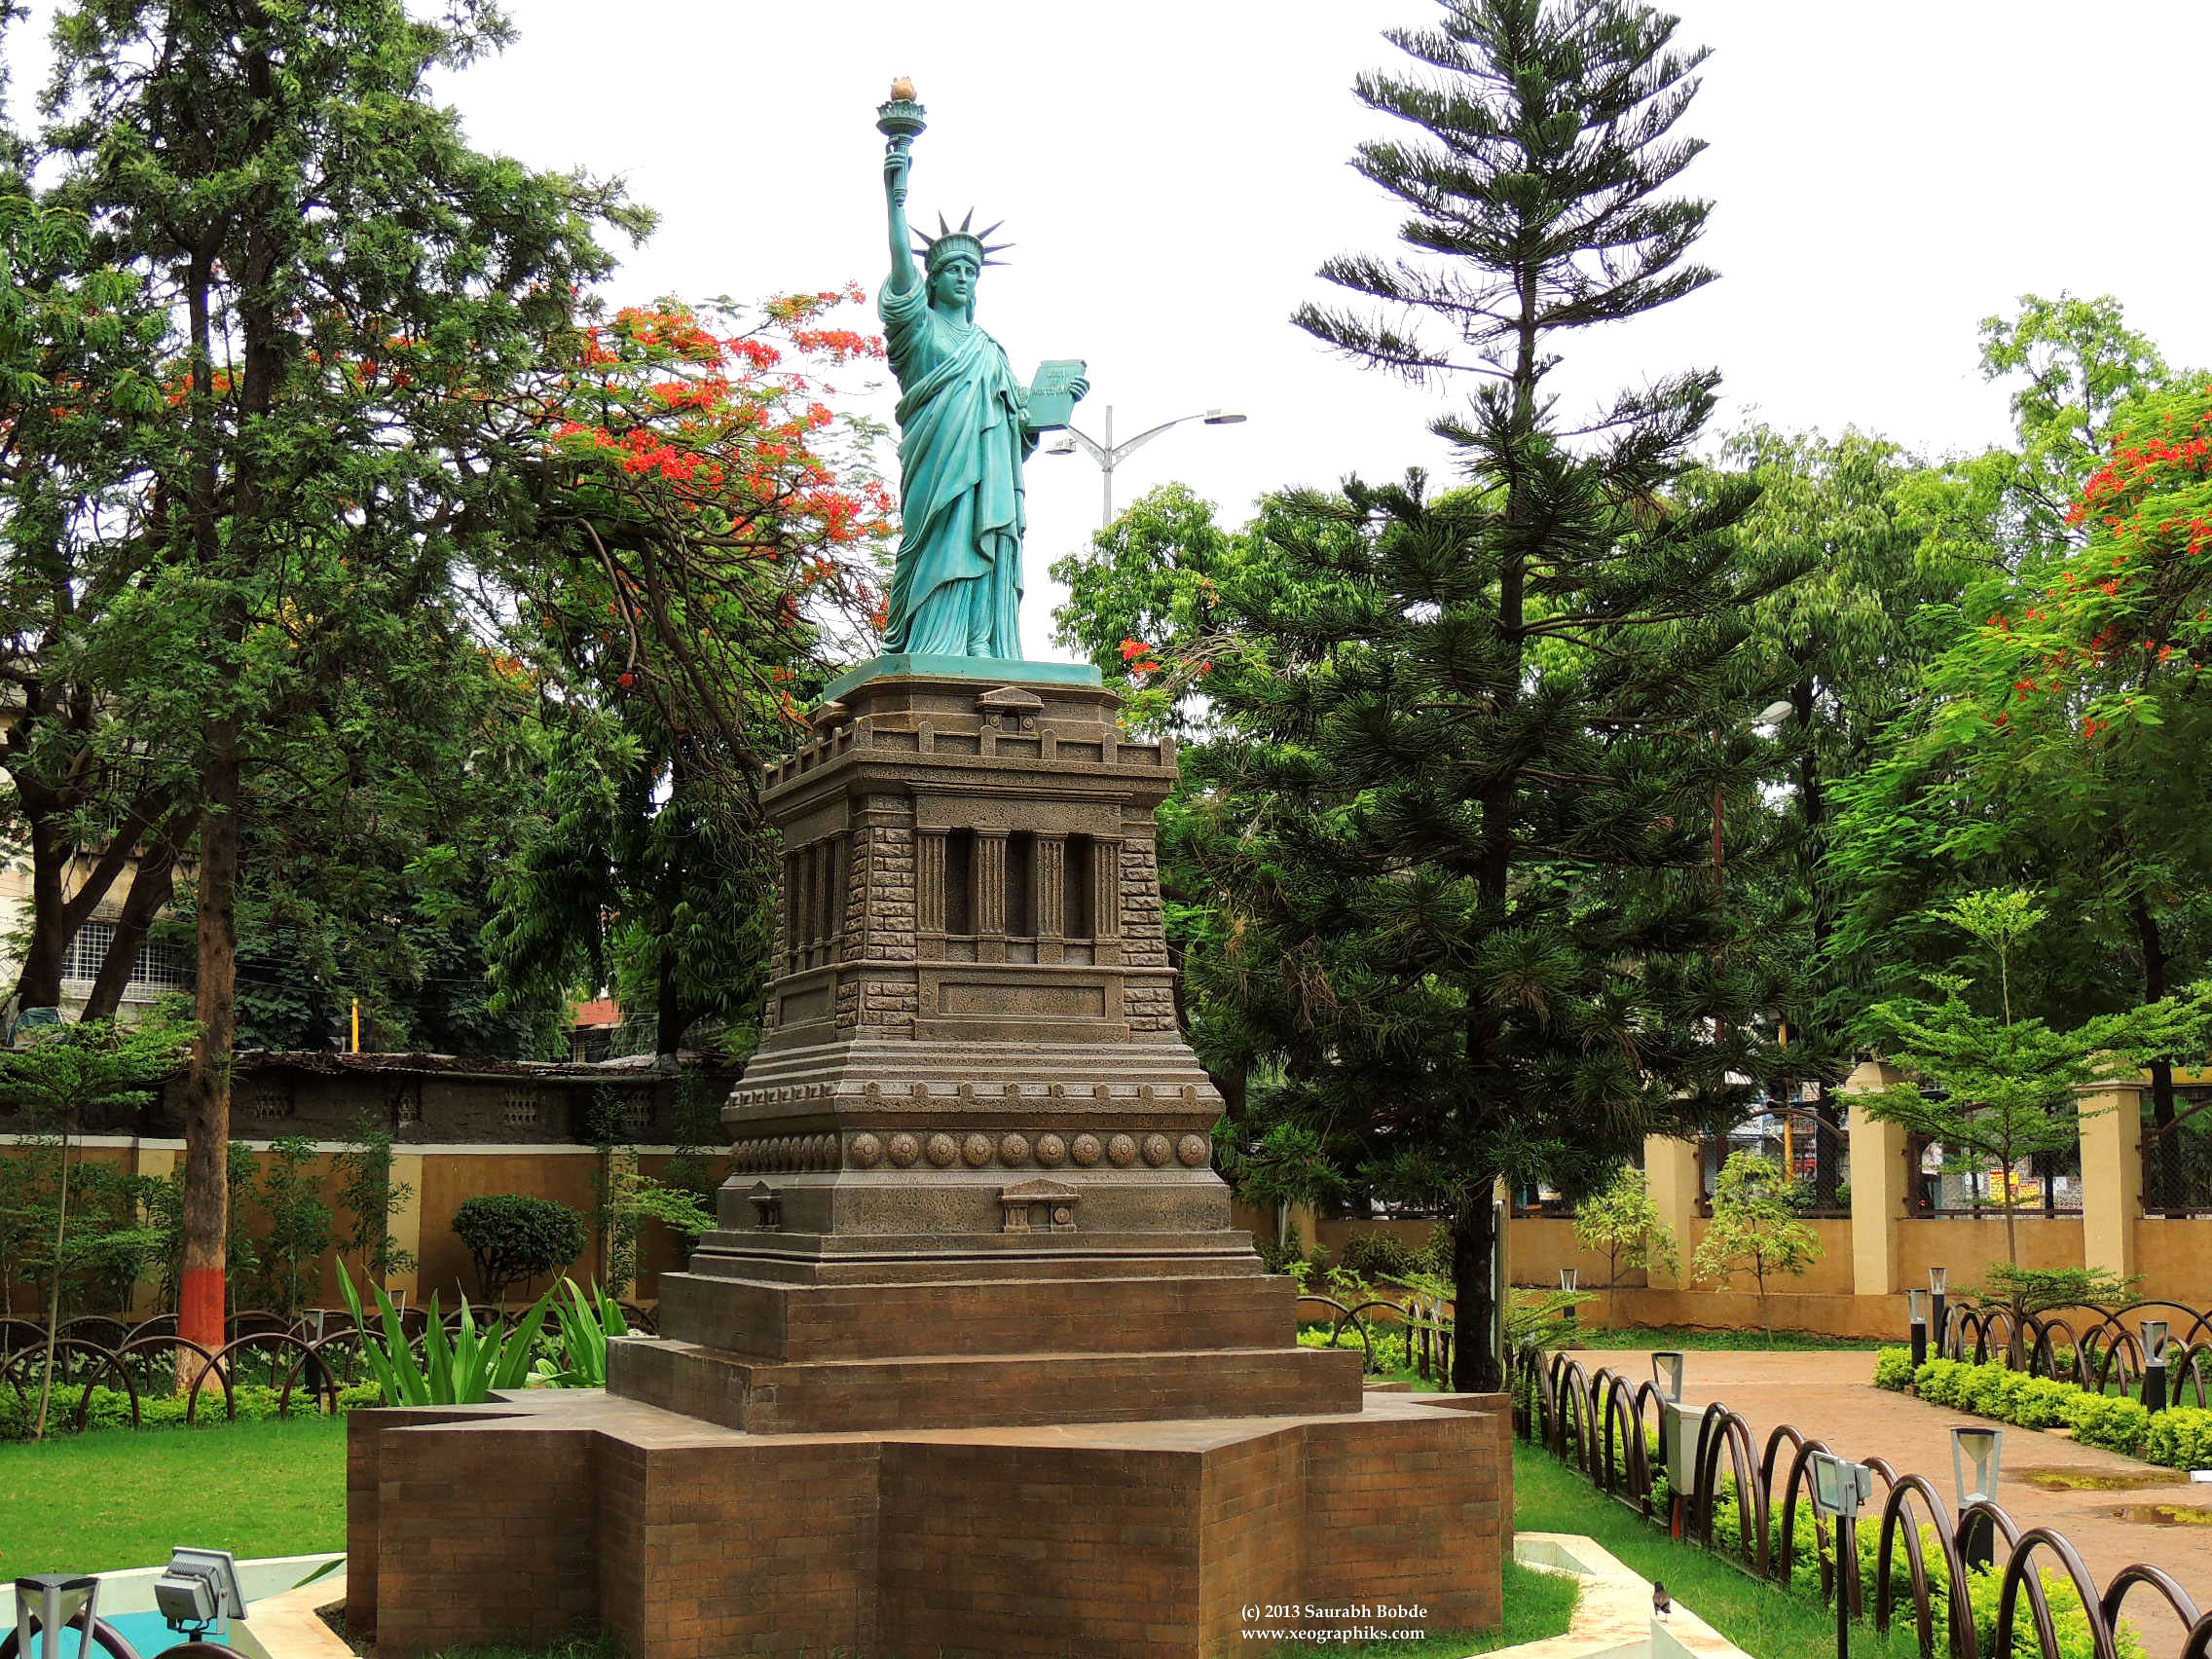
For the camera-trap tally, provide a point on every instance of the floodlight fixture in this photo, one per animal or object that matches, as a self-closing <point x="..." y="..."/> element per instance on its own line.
<point x="1061" y="445"/>
<point x="1841" y="1489"/>
<point x="198" y="1587"/>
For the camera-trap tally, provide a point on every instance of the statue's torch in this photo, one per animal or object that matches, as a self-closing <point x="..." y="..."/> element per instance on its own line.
<point x="900" y="120"/>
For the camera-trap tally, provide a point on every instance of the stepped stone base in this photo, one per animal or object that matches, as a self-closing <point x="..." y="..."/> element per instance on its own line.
<point x="513" y="1523"/>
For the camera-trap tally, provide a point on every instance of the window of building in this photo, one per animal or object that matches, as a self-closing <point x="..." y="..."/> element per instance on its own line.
<point x="637" y="1114"/>
<point x="520" y="1109"/>
<point x="159" y="967"/>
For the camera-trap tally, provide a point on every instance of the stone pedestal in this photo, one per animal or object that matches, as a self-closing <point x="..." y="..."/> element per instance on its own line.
<point x="975" y="1351"/>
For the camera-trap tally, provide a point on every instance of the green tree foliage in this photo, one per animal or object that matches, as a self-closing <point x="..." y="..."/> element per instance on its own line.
<point x="1459" y="818"/>
<point x="2041" y="746"/>
<point x="352" y="298"/>
<point x="1755" y="1229"/>
<point x="1621" y="1221"/>
<point x="1997" y="1091"/>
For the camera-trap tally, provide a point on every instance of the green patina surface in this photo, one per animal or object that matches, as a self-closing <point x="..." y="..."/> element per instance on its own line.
<point x="1006" y="671"/>
<point x="966" y="427"/>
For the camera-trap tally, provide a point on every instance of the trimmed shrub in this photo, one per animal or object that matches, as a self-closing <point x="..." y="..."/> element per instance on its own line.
<point x="1892" y="1369"/>
<point x="513" y="1237"/>
<point x="2117" y="1425"/>
<point x="2180" y="1437"/>
<point x="111" y="1407"/>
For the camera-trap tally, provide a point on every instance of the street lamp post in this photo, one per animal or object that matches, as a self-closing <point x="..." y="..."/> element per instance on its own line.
<point x="1110" y="454"/>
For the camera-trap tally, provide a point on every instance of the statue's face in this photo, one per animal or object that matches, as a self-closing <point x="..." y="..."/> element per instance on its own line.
<point x="954" y="286"/>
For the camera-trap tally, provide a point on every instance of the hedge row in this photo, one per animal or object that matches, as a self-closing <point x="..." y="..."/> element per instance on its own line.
<point x="2178" y="1437"/>
<point x="111" y="1407"/>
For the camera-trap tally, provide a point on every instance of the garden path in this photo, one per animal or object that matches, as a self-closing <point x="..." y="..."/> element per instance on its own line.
<point x="1830" y="1396"/>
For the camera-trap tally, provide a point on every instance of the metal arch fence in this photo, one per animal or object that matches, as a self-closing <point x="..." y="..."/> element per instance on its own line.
<point x="1606" y="1426"/>
<point x="2094" y="1350"/>
<point x="309" y="1362"/>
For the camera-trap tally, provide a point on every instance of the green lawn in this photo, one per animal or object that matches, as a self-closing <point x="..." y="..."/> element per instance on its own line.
<point x="123" y="1498"/>
<point x="1759" y="1616"/>
<point x="1682" y="1337"/>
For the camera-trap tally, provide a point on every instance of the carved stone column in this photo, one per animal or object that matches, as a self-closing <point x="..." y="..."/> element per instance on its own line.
<point x="1049" y="896"/>
<point x="990" y="895"/>
<point x="929" y="887"/>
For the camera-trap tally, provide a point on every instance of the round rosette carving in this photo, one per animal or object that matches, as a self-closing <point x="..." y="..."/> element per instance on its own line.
<point x="865" y="1152"/>
<point x="1085" y="1150"/>
<point x="905" y="1148"/>
<point x="976" y="1151"/>
<point x="1157" y="1151"/>
<point x="943" y="1150"/>
<point x="1121" y="1152"/>
<point x="1014" y="1151"/>
<point x="1193" y="1150"/>
<point x="1051" y="1148"/>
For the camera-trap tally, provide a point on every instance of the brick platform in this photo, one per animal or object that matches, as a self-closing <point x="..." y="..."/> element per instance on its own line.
<point x="516" y="1521"/>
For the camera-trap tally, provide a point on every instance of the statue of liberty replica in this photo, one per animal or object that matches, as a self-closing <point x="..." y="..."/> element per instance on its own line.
<point x="966" y="426"/>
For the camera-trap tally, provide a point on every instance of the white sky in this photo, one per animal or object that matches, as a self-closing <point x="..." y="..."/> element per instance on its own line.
<point x="1886" y="174"/>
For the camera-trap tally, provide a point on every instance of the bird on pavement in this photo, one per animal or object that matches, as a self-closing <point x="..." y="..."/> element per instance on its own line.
<point x="1662" y="1604"/>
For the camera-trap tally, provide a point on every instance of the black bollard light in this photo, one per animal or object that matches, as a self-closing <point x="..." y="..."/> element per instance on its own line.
<point x="2154" y="1357"/>
<point x="1977" y="1460"/>
<point x="1939" y="1283"/>
<point x="1917" y="1302"/>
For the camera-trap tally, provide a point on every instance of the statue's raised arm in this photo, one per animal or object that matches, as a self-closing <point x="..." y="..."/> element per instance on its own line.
<point x="896" y="164"/>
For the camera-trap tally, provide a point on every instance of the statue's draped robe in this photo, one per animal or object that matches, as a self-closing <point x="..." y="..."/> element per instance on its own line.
<point x="957" y="587"/>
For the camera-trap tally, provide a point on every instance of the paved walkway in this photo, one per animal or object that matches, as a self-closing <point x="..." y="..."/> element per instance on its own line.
<point x="1830" y="1396"/>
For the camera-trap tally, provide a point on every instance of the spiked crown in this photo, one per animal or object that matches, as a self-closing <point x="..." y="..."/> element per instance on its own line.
<point x="936" y="250"/>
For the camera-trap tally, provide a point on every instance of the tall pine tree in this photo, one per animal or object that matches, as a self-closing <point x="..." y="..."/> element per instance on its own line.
<point x="1466" y="815"/>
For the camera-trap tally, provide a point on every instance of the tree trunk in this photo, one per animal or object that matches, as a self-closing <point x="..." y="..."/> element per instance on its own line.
<point x="53" y="1295"/>
<point x="39" y="983"/>
<point x="151" y="888"/>
<point x="1474" y="1369"/>
<point x="207" y="1078"/>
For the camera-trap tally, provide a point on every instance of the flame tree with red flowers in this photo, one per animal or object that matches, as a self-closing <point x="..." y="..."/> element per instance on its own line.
<point x="708" y="541"/>
<point x="2057" y="740"/>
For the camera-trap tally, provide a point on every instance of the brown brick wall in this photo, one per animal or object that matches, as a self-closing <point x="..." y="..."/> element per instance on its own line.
<point x="989" y="1552"/>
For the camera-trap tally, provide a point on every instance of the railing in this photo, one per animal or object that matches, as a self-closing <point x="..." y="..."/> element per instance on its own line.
<point x="2045" y="1186"/>
<point x="1606" y="1426"/>
<point x="2177" y="1165"/>
<point x="309" y="1361"/>
<point x="1813" y="1151"/>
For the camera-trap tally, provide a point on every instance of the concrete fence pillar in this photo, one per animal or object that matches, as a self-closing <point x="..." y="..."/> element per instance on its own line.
<point x="1878" y="1186"/>
<point x="2111" y="1173"/>
<point x="1670" y="1172"/>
